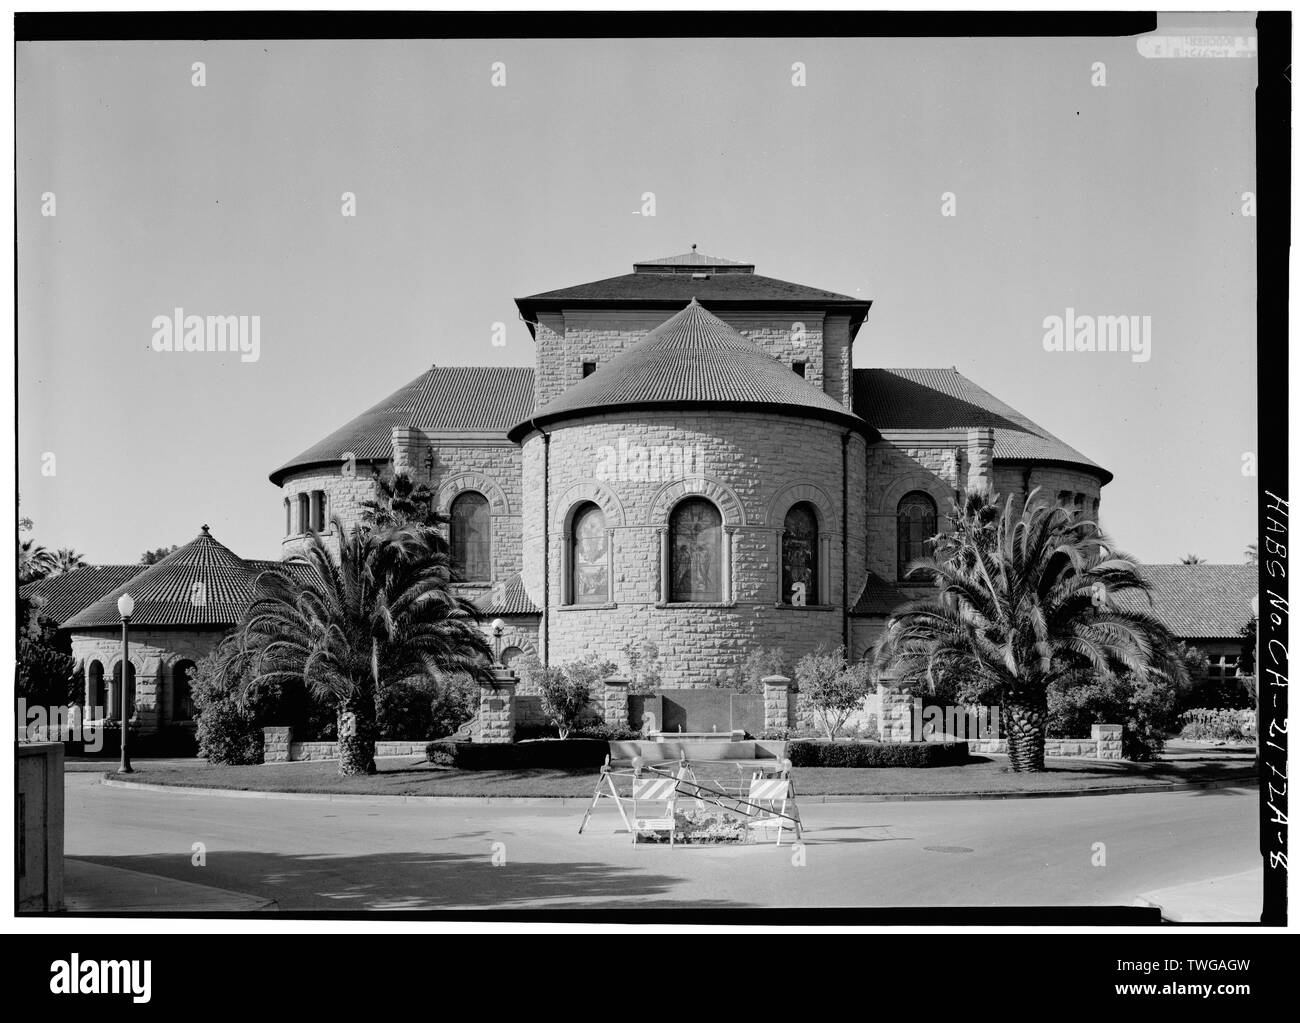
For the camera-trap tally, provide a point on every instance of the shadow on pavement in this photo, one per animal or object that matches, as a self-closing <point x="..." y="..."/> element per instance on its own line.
<point x="418" y="881"/>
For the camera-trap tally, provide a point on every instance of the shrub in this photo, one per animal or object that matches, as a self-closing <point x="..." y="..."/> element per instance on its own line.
<point x="834" y="687"/>
<point x="749" y="671"/>
<point x="566" y="691"/>
<point x="820" y="753"/>
<point x="644" y="671"/>
<point x="1224" y="725"/>
<point x="229" y="731"/>
<point x="454" y="703"/>
<point x="508" y="756"/>
<point x="404" y="710"/>
<point x="606" y="733"/>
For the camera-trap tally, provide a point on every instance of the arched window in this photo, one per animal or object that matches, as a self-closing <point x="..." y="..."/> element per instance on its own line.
<point x="590" y="557"/>
<point x="799" y="552"/>
<point x="470" y="536"/>
<point x="288" y="518"/>
<point x="117" y="690"/>
<point x="304" y="513"/>
<point x="182" y="700"/>
<point x="509" y="654"/>
<point x="918" y="521"/>
<point x="695" y="552"/>
<point x="96" y="698"/>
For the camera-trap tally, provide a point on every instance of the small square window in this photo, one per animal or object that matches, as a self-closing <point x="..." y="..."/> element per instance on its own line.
<point x="588" y="368"/>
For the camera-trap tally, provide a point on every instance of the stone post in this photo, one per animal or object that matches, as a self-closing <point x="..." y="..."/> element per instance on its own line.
<point x="979" y="455"/>
<point x="277" y="745"/>
<point x="896" y="715"/>
<point x="496" y="707"/>
<point x="1110" y="741"/>
<point x="614" y="702"/>
<point x="776" y="702"/>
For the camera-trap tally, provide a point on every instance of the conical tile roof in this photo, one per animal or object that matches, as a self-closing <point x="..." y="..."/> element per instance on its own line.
<point x="202" y="583"/>
<point x="694" y="359"/>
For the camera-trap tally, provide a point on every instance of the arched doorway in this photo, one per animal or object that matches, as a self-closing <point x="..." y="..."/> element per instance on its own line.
<point x="96" y="697"/>
<point x="182" y="708"/>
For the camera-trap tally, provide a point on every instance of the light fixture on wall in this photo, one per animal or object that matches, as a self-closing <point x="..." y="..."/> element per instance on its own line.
<point x="498" y="630"/>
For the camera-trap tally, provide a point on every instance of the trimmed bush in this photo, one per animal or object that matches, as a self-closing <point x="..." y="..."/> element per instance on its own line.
<point x="804" y="753"/>
<point x="505" y="756"/>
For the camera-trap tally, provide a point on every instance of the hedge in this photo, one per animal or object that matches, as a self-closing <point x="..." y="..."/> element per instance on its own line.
<point x="497" y="756"/>
<point x="803" y="753"/>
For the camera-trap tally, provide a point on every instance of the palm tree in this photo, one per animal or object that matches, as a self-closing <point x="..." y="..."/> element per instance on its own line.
<point x="67" y="560"/>
<point x="381" y="614"/>
<point x="1191" y="559"/>
<point x="1024" y="599"/>
<point x="34" y="561"/>
<point x="401" y="501"/>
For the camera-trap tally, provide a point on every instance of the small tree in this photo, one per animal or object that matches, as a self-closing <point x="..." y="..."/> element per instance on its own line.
<point x="834" y="687"/>
<point x="749" y="671"/>
<point x="564" y="695"/>
<point x="644" y="671"/>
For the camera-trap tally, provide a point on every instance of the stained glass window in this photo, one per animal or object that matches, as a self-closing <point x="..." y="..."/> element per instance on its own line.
<point x="918" y="521"/>
<point x="695" y="552"/>
<point x="590" y="557"/>
<point x="470" y="535"/>
<point x="799" y="556"/>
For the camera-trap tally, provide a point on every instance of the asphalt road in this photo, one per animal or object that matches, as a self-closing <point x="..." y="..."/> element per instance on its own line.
<point x="310" y="855"/>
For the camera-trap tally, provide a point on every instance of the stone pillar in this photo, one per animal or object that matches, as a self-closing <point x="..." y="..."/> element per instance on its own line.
<point x="615" y="702"/>
<point x="896" y="715"/>
<point x="277" y="745"/>
<point x="496" y="707"/>
<point x="979" y="455"/>
<point x="776" y="702"/>
<point x="1110" y="741"/>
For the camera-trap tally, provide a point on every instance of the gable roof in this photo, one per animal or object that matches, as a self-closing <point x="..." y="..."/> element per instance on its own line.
<point x="510" y="598"/>
<point x="693" y="359"/>
<point x="470" y="398"/>
<point x="941" y="399"/>
<point x="878" y="597"/>
<point x="1198" y="601"/>
<point x="202" y="583"/>
<point x="62" y="596"/>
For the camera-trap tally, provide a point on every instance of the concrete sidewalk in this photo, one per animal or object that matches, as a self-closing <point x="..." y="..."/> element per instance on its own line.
<point x="94" y="888"/>
<point x="1237" y="898"/>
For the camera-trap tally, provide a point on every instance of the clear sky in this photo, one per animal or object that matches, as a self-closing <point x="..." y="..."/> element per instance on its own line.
<point x="226" y="199"/>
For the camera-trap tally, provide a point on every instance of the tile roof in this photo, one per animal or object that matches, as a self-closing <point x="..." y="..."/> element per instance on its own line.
<point x="509" y="598"/>
<point x="478" y="398"/>
<point x="62" y="596"/>
<point x="202" y="583"/>
<point x="940" y="399"/>
<point x="1199" y="601"/>
<point x="671" y="290"/>
<point x="878" y="597"/>
<point x="688" y="261"/>
<point x="693" y="359"/>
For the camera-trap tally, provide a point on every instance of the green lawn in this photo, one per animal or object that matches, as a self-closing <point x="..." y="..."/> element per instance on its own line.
<point x="410" y="776"/>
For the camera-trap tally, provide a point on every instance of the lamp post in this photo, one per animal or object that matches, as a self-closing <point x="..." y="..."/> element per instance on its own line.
<point x="498" y="630"/>
<point x="125" y="605"/>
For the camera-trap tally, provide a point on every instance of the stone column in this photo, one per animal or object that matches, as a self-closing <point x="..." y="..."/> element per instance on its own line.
<point x="979" y="454"/>
<point x="496" y="707"/>
<point x="896" y="715"/>
<point x="615" y="702"/>
<point x="277" y="744"/>
<point x="1110" y="741"/>
<point x="776" y="702"/>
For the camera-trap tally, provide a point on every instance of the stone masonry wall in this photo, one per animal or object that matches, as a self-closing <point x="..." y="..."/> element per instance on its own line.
<point x="755" y="466"/>
<point x="344" y="495"/>
<point x="153" y="652"/>
<point x="565" y="342"/>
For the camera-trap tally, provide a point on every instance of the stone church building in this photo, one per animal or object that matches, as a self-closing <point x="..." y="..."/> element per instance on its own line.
<point x="694" y="462"/>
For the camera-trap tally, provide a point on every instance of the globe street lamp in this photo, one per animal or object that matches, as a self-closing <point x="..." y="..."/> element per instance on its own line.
<point x="498" y="630"/>
<point x="125" y="606"/>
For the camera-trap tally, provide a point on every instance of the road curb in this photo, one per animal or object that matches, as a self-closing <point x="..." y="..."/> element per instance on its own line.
<point x="562" y="801"/>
